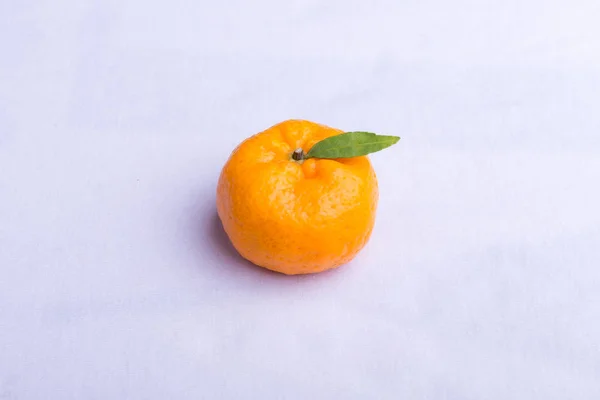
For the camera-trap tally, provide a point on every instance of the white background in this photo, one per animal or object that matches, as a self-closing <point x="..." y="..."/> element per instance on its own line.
<point x="482" y="277"/>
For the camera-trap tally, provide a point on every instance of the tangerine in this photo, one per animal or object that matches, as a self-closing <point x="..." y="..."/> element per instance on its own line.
<point x="291" y="215"/>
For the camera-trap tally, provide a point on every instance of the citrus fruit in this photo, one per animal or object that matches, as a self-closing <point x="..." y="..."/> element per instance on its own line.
<point x="295" y="199"/>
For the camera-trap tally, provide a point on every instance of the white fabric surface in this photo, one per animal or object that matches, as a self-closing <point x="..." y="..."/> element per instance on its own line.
<point x="481" y="280"/>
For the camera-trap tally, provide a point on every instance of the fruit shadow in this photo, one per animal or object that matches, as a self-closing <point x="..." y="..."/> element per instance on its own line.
<point x="221" y="244"/>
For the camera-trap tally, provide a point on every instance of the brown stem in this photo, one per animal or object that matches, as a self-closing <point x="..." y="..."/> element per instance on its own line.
<point x="298" y="155"/>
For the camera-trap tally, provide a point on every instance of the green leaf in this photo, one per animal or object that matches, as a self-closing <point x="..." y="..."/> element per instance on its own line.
<point x="351" y="144"/>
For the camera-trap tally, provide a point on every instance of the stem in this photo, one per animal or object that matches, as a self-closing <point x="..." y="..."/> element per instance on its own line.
<point x="298" y="155"/>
